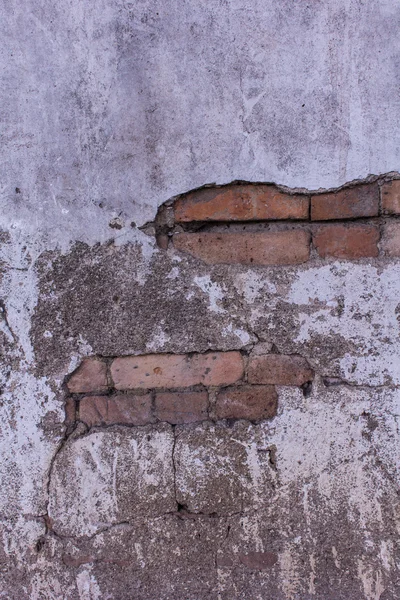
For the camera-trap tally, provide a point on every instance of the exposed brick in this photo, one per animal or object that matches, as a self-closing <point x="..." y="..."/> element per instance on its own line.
<point x="279" y="369"/>
<point x="391" y="239"/>
<point x="176" y="370"/>
<point x="252" y="402"/>
<point x="391" y="197"/>
<point x="339" y="241"/>
<point x="181" y="407"/>
<point x="70" y="411"/>
<point x="240" y="203"/>
<point x="91" y="376"/>
<point x="350" y="203"/>
<point x="259" y="561"/>
<point x="289" y="247"/>
<point x="106" y="410"/>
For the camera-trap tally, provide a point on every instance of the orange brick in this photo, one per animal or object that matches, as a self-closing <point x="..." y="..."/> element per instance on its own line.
<point x="252" y="402"/>
<point x="339" y="241"/>
<point x="391" y="239"/>
<point x="350" y="203"/>
<point x="90" y="376"/>
<point x="240" y="203"/>
<point x="181" y="407"/>
<point x="176" y="370"/>
<point x="125" y="409"/>
<point x="391" y="197"/>
<point x="290" y="247"/>
<point x="279" y="369"/>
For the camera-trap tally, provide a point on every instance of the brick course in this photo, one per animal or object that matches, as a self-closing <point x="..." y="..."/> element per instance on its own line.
<point x="289" y="247"/>
<point x="181" y="407"/>
<point x="391" y="239"/>
<point x="91" y="376"/>
<point x="252" y="402"/>
<point x="279" y="369"/>
<point x="176" y="370"/>
<point x="105" y="410"/>
<point x="350" y="203"/>
<point x="352" y="242"/>
<point x="240" y="203"/>
<point x="390" y="194"/>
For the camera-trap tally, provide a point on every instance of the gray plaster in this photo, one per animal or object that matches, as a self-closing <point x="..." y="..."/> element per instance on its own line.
<point x="109" y="109"/>
<point x="123" y="105"/>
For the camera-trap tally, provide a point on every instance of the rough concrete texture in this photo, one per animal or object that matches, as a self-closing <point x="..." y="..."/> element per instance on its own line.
<point x="109" y="109"/>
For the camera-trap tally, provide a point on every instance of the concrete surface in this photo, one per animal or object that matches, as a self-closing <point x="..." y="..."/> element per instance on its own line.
<point x="108" y="110"/>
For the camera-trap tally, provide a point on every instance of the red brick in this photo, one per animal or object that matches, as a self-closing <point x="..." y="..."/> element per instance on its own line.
<point x="90" y="376"/>
<point x="259" y="561"/>
<point x="240" y="203"/>
<point x="106" y="410"/>
<point x="391" y="239"/>
<point x="252" y="402"/>
<point x="176" y="370"/>
<point x="339" y="241"/>
<point x="391" y="197"/>
<point x="279" y="369"/>
<point x="288" y="247"/>
<point x="70" y="411"/>
<point x="350" y="203"/>
<point x="181" y="407"/>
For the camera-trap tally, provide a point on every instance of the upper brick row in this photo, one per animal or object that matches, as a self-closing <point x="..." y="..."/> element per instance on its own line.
<point x="170" y="371"/>
<point x="266" y="202"/>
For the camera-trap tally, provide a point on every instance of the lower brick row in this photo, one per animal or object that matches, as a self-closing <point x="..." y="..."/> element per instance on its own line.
<point x="181" y="388"/>
<point x="290" y="246"/>
<point x="251" y="402"/>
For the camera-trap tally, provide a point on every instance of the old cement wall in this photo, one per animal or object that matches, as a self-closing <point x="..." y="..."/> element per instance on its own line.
<point x="109" y="110"/>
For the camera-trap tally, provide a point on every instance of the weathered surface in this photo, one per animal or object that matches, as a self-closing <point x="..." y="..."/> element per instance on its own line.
<point x="218" y="470"/>
<point x="111" y="477"/>
<point x="109" y="110"/>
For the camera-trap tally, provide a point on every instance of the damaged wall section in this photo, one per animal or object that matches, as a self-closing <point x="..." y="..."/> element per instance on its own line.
<point x="230" y="426"/>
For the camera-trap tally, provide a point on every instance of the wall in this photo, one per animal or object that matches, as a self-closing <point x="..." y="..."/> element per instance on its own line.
<point x="110" y="111"/>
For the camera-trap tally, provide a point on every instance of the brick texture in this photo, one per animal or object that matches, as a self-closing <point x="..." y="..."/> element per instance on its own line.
<point x="391" y="197"/>
<point x="279" y="369"/>
<point x="391" y="239"/>
<point x="181" y="407"/>
<point x="176" y="370"/>
<point x="240" y="203"/>
<point x="70" y="411"/>
<point x="252" y="402"/>
<point x="125" y="409"/>
<point x="91" y="376"/>
<point x="260" y="248"/>
<point x="339" y="241"/>
<point x="350" y="203"/>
